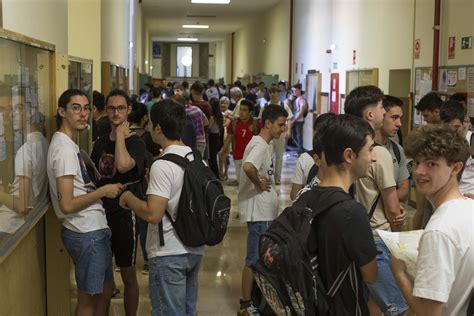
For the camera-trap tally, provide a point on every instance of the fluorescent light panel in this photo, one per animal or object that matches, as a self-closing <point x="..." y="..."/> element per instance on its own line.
<point x="211" y="1"/>
<point x="187" y="39"/>
<point x="195" y="26"/>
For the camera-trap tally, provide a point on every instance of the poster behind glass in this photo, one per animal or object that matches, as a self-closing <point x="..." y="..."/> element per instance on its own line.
<point x="24" y="100"/>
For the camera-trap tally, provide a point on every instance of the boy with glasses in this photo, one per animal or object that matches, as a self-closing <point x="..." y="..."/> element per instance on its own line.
<point x="77" y="204"/>
<point x="120" y="157"/>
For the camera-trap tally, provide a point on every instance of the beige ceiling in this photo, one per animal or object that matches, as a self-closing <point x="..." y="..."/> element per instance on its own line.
<point x="166" y="17"/>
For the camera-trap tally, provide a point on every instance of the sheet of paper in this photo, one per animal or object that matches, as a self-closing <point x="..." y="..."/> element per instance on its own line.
<point x="452" y="78"/>
<point x="462" y="73"/>
<point x="3" y="149"/>
<point x="403" y="246"/>
<point x="470" y="79"/>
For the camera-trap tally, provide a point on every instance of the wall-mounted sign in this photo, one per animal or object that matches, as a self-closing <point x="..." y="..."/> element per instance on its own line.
<point x="466" y="42"/>
<point x="417" y="48"/>
<point x="452" y="47"/>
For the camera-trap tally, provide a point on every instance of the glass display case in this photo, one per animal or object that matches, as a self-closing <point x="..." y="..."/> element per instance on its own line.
<point x="80" y="77"/>
<point x="25" y="110"/>
<point x="114" y="77"/>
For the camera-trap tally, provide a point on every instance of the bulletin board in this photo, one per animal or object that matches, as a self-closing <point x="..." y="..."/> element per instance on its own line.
<point x="451" y="79"/>
<point x="361" y="77"/>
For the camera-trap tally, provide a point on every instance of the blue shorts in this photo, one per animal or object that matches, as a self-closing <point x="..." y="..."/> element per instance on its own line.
<point x="254" y="231"/>
<point x="385" y="291"/>
<point x="92" y="257"/>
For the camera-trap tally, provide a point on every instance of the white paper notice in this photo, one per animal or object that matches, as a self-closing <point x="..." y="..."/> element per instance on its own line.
<point x="2" y="127"/>
<point x="403" y="246"/>
<point x="452" y="78"/>
<point x="470" y="107"/>
<point x="470" y="79"/>
<point x="462" y="73"/>
<point x="3" y="149"/>
<point x="443" y="80"/>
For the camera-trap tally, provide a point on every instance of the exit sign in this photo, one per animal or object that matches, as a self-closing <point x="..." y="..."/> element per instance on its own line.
<point x="466" y="42"/>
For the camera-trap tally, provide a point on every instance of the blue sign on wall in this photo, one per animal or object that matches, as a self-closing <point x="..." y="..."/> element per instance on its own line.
<point x="156" y="50"/>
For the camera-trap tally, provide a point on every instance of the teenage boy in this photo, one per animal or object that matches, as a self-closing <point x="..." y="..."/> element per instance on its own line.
<point x="378" y="194"/>
<point x="239" y="132"/>
<point x="453" y="113"/>
<point x="392" y="122"/>
<point x="429" y="106"/>
<point x="76" y="202"/>
<point x="444" y="277"/>
<point x="100" y="123"/>
<point x="298" y="118"/>
<point x="258" y="199"/>
<point x="344" y="237"/>
<point x="279" y="144"/>
<point x="120" y="157"/>
<point x="174" y="268"/>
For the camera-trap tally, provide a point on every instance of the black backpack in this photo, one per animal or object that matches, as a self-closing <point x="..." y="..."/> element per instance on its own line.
<point x="203" y="208"/>
<point x="287" y="268"/>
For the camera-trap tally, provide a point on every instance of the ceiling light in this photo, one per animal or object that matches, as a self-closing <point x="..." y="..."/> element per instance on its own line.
<point x="211" y="1"/>
<point x="195" y="26"/>
<point x="187" y="39"/>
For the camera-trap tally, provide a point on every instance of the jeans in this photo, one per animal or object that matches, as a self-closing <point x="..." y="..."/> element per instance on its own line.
<point x="298" y="136"/>
<point x="254" y="231"/>
<point x="173" y="284"/>
<point x="385" y="291"/>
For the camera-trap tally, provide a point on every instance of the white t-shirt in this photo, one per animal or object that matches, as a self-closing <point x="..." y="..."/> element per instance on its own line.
<point x="255" y="205"/>
<point x="64" y="159"/>
<point x="445" y="268"/>
<point x="303" y="166"/>
<point x="166" y="180"/>
<point x="30" y="162"/>
<point x="466" y="185"/>
<point x="299" y="106"/>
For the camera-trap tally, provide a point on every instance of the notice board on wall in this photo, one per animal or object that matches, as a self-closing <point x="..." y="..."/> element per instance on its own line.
<point x="451" y="79"/>
<point x="361" y="77"/>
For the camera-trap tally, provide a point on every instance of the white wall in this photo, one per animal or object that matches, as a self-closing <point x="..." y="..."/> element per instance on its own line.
<point x="115" y="30"/>
<point x="221" y="60"/>
<point x="262" y="46"/>
<point x="44" y="20"/>
<point x="84" y="39"/>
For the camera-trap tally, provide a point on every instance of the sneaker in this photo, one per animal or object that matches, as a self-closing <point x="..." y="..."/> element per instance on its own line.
<point x="115" y="292"/>
<point x="247" y="309"/>
<point x="145" y="269"/>
<point x="277" y="182"/>
<point x="117" y="269"/>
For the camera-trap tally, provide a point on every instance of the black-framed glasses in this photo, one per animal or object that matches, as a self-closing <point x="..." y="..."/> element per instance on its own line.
<point x="120" y="109"/>
<point x="77" y="108"/>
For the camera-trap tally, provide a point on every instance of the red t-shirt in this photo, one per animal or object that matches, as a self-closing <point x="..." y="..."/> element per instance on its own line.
<point x="243" y="134"/>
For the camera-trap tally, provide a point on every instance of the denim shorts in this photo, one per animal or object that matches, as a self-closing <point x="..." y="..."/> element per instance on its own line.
<point x="255" y="230"/>
<point x="92" y="257"/>
<point x="385" y="291"/>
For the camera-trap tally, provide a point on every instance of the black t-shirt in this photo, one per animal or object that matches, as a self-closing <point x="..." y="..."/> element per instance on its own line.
<point x="101" y="128"/>
<point x="344" y="236"/>
<point x="153" y="148"/>
<point x="103" y="156"/>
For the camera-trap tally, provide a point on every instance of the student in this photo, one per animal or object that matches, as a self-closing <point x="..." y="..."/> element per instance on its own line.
<point x="298" y="117"/>
<point x="174" y="268"/>
<point x="239" y="132"/>
<point x="258" y="199"/>
<point x="392" y="122"/>
<point x="307" y="160"/>
<point x="429" y="106"/>
<point x="100" y="122"/>
<point x="445" y="268"/>
<point x="77" y="204"/>
<point x="344" y="236"/>
<point x="121" y="157"/>
<point x="378" y="194"/>
<point x="279" y="144"/>
<point x="453" y="113"/>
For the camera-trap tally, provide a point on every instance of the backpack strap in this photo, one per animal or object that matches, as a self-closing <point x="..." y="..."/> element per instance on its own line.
<point x="374" y="206"/>
<point x="396" y="151"/>
<point x="182" y="162"/>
